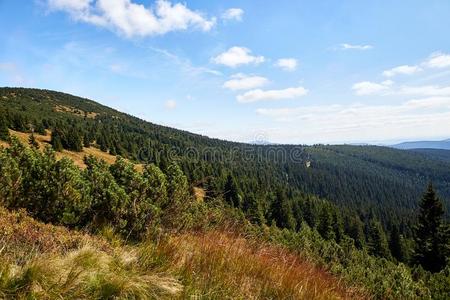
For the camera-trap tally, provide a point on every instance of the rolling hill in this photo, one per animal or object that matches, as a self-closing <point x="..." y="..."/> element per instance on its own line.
<point x="366" y="179"/>
<point x="182" y="214"/>
<point x="443" y="145"/>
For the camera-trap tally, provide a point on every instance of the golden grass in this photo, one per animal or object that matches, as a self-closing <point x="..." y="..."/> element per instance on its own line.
<point x="221" y="265"/>
<point x="199" y="194"/>
<point x="75" y="111"/>
<point x="50" y="262"/>
<point x="76" y="157"/>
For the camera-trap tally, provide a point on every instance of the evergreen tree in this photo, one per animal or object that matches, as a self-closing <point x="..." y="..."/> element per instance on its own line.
<point x="253" y="210"/>
<point x="430" y="241"/>
<point x="32" y="141"/>
<point x="86" y="140"/>
<point x="356" y="232"/>
<point x="281" y="211"/>
<point x="56" y="141"/>
<point x="325" y="227"/>
<point x="4" y="132"/>
<point x="378" y="244"/>
<point x="231" y="192"/>
<point x="396" y="245"/>
<point x="73" y="141"/>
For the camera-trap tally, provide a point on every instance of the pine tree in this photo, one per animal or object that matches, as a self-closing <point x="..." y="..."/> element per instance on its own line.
<point x="56" y="141"/>
<point x="4" y="132"/>
<point x="231" y="192"/>
<point x="253" y="210"/>
<point x="378" y="244"/>
<point x="32" y="141"/>
<point x="396" y="245"/>
<point x="281" y="211"/>
<point x="325" y="227"/>
<point x="429" y="235"/>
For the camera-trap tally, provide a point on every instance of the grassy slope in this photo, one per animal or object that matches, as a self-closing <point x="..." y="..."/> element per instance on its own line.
<point x="207" y="265"/>
<point x="76" y="157"/>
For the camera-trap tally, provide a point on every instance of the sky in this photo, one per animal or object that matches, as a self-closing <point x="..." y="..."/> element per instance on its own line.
<point x="298" y="72"/>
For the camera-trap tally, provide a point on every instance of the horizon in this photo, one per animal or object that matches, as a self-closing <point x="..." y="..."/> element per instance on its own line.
<point x="299" y="73"/>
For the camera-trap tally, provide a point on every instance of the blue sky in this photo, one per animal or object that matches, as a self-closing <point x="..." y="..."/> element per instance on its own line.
<point x="282" y="71"/>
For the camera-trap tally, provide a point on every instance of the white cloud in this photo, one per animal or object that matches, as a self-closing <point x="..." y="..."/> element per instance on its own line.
<point x="438" y="60"/>
<point x="355" y="47"/>
<point x="264" y="95"/>
<point x="244" y="82"/>
<point x="233" y="14"/>
<point x="422" y="117"/>
<point x="424" y="90"/>
<point x="171" y="104"/>
<point x="132" y="19"/>
<point x="365" y="88"/>
<point x="12" y="72"/>
<point x="236" y="56"/>
<point x="405" y="70"/>
<point x="387" y="82"/>
<point x="287" y="64"/>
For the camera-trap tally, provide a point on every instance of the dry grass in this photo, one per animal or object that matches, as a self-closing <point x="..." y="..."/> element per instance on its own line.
<point x="219" y="265"/>
<point x="76" y="157"/>
<point x="40" y="261"/>
<point x="199" y="194"/>
<point x="50" y="262"/>
<point x="75" y="111"/>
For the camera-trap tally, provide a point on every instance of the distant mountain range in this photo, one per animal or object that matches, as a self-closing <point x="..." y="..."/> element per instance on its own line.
<point x="445" y="145"/>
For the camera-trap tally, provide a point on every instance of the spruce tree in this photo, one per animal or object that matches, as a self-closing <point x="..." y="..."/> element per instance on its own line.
<point x="378" y="244"/>
<point x="56" y="141"/>
<point x="4" y="132"/>
<point x="429" y="234"/>
<point x="325" y="227"/>
<point x="281" y="211"/>
<point x="396" y="245"/>
<point x="32" y="141"/>
<point x="231" y="192"/>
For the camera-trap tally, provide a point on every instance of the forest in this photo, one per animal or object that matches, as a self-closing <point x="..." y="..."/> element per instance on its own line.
<point x="375" y="216"/>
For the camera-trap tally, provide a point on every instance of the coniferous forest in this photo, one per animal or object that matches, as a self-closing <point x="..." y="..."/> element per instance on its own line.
<point x="375" y="217"/>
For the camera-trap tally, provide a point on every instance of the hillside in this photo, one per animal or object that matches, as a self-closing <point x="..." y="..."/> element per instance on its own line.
<point x="154" y="236"/>
<point x="438" y="154"/>
<point x="47" y="262"/>
<point x="381" y="180"/>
<point x="443" y="145"/>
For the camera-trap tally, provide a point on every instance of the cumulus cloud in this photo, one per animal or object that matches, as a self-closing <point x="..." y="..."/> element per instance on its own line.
<point x="287" y="64"/>
<point x="233" y="14"/>
<point x="424" y="90"/>
<point x="404" y="70"/>
<point x="346" y="46"/>
<point x="244" y="82"/>
<point x="438" y="60"/>
<point x="366" y="88"/>
<point x="170" y="104"/>
<point x="267" y="95"/>
<point x="336" y="123"/>
<point x="132" y="19"/>
<point x="12" y="72"/>
<point x="236" y="56"/>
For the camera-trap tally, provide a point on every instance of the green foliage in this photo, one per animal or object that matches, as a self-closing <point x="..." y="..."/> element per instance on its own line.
<point x="118" y="195"/>
<point x="32" y="141"/>
<point x="4" y="132"/>
<point x="377" y="242"/>
<point x="431" y="238"/>
<point x="231" y="192"/>
<point x="281" y="211"/>
<point x="56" y="141"/>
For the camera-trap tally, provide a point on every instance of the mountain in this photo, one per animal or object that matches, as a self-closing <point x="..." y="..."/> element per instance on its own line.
<point x="366" y="179"/>
<point x="438" y="154"/>
<point x="444" y="144"/>
<point x="167" y="202"/>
